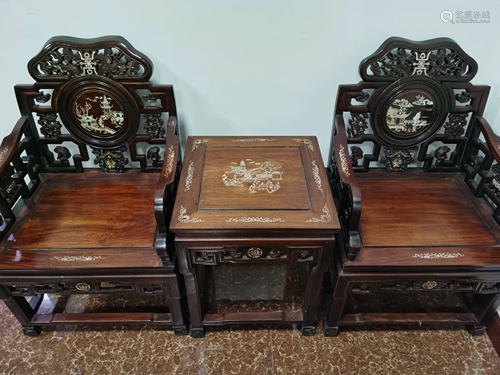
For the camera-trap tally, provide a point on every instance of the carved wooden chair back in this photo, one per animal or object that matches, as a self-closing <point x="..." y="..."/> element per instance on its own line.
<point x="414" y="108"/>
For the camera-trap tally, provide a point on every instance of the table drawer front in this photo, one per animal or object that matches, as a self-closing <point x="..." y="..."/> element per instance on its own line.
<point x="33" y="289"/>
<point x="239" y="254"/>
<point x="425" y="285"/>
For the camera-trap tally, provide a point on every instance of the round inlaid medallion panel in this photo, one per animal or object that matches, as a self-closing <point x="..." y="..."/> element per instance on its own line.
<point x="99" y="111"/>
<point x="410" y="111"/>
<point x="253" y="177"/>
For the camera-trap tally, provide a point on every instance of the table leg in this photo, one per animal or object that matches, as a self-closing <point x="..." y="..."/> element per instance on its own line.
<point x="313" y="290"/>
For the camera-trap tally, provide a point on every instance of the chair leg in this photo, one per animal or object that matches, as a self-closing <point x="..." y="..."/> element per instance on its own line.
<point x="335" y="311"/>
<point x="192" y="293"/>
<point x="485" y="309"/>
<point x="174" y="304"/>
<point x="23" y="312"/>
<point x="313" y="290"/>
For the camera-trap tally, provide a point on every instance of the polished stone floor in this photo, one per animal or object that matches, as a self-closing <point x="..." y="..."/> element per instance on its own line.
<point x="269" y="350"/>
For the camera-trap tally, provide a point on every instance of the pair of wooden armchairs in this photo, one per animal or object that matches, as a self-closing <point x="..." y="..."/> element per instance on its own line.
<point x="413" y="173"/>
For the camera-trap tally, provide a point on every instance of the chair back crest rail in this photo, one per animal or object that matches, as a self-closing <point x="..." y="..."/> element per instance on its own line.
<point x="415" y="108"/>
<point x="91" y="98"/>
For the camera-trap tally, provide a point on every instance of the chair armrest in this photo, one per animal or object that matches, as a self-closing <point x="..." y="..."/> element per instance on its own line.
<point x="492" y="140"/>
<point x="350" y="192"/>
<point x="165" y="192"/>
<point x="10" y="143"/>
<point x="168" y="174"/>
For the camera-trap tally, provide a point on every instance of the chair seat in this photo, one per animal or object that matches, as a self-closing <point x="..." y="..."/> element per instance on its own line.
<point x="407" y="221"/>
<point x="86" y="220"/>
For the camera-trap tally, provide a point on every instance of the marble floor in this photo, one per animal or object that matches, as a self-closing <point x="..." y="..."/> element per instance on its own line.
<point x="241" y="350"/>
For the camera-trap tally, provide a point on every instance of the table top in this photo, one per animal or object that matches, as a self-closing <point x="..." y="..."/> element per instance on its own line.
<point x="253" y="184"/>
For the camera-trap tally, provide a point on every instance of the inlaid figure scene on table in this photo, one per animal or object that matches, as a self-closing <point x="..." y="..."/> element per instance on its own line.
<point x="414" y="173"/>
<point x="254" y="223"/>
<point x="88" y="179"/>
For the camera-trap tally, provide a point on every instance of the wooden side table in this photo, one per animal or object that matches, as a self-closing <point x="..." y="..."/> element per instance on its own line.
<point x="255" y="201"/>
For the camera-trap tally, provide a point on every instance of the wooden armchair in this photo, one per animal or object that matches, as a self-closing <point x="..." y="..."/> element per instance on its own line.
<point x="69" y="228"/>
<point x="416" y="179"/>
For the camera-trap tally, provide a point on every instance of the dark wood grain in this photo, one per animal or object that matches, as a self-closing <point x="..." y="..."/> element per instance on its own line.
<point x="215" y="223"/>
<point x="429" y="216"/>
<point x="68" y="229"/>
<point x="94" y="213"/>
<point x="400" y="212"/>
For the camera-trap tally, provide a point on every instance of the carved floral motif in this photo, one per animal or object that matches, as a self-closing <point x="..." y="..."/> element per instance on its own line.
<point x="63" y="154"/>
<point x="397" y="160"/>
<point x="110" y="161"/>
<point x="401" y="62"/>
<point x="441" y="154"/>
<point x="50" y="126"/>
<point x="153" y="154"/>
<point x="358" y="123"/>
<point x="454" y="127"/>
<point x="356" y="154"/>
<point x="154" y="126"/>
<point x="107" y="62"/>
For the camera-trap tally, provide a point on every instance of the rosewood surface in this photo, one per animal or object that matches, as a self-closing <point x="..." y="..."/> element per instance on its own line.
<point x="417" y="190"/>
<point x="70" y="229"/>
<point x="253" y="201"/>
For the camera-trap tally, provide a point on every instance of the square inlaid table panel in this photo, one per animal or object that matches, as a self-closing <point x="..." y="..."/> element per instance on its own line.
<point x="258" y="212"/>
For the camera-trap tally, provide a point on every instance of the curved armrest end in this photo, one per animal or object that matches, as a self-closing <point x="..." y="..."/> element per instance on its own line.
<point x="10" y="142"/>
<point x="492" y="140"/>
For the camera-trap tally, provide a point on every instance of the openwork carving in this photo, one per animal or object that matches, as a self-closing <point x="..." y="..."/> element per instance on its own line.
<point x="264" y="176"/>
<point x="197" y="142"/>
<point x="154" y="126"/>
<point x="438" y="255"/>
<point x="307" y="142"/>
<point x="170" y="161"/>
<point x="358" y="123"/>
<point x="7" y="183"/>
<point x="356" y="154"/>
<point x="455" y="125"/>
<point x="110" y="161"/>
<point x="316" y="176"/>
<point x="397" y="160"/>
<point x="441" y="154"/>
<point x="42" y="98"/>
<point x="189" y="178"/>
<point x="463" y="97"/>
<point x="325" y="218"/>
<point x="403" y="62"/>
<point x="184" y="218"/>
<point x="253" y="140"/>
<point x="71" y="62"/>
<point x="50" y="126"/>
<point x="149" y="97"/>
<point x="343" y="161"/>
<point x="63" y="154"/>
<point x="250" y="219"/>
<point x="495" y="182"/>
<point x="153" y="154"/>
